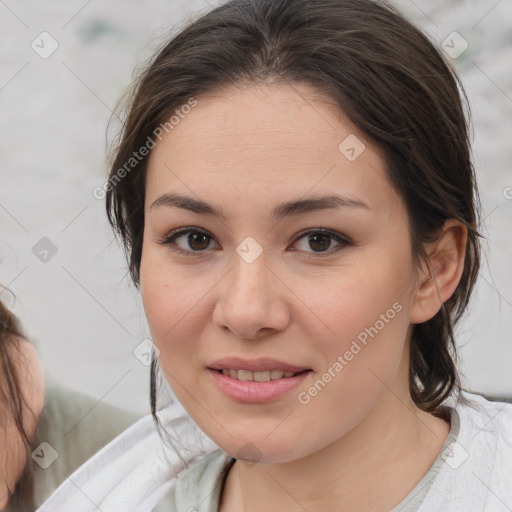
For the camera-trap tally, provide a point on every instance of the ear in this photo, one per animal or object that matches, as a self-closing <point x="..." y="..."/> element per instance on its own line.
<point x="441" y="274"/>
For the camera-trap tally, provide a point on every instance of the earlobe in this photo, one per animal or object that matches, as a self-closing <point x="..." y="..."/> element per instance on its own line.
<point x="442" y="273"/>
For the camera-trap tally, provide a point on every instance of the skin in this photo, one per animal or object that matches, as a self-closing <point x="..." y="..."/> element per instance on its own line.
<point x="13" y="457"/>
<point x="360" y="443"/>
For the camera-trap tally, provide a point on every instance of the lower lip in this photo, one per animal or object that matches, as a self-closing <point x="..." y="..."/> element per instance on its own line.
<point x="256" y="392"/>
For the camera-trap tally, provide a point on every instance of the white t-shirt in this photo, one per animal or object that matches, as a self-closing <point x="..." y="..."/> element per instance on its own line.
<point x="136" y="472"/>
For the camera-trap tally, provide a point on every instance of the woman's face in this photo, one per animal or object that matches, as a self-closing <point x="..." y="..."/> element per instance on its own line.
<point x="272" y="287"/>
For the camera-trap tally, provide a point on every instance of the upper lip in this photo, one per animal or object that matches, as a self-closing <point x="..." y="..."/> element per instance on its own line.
<point x="254" y="365"/>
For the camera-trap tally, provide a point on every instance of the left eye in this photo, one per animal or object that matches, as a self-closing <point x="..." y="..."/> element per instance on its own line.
<point x="321" y="240"/>
<point x="318" y="239"/>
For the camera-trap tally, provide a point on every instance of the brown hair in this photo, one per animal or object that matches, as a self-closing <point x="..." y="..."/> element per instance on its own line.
<point x="382" y="72"/>
<point x="11" y="399"/>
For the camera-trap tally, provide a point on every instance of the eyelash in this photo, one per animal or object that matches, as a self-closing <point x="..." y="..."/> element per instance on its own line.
<point x="171" y="237"/>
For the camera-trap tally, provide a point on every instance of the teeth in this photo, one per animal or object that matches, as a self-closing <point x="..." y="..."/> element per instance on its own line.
<point x="246" y="375"/>
<point x="262" y="376"/>
<point x="276" y="374"/>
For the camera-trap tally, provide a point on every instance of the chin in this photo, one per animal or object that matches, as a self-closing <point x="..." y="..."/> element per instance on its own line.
<point x="259" y="449"/>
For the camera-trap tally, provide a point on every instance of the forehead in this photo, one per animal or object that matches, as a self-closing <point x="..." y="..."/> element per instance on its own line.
<point x="264" y="142"/>
<point x="287" y="119"/>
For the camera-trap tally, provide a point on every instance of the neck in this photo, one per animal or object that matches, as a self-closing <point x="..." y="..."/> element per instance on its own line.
<point x="372" y="468"/>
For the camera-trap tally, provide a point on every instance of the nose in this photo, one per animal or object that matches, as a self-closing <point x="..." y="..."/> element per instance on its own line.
<point x="253" y="301"/>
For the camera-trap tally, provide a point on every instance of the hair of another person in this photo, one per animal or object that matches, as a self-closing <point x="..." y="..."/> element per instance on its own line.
<point x="383" y="73"/>
<point x="11" y="399"/>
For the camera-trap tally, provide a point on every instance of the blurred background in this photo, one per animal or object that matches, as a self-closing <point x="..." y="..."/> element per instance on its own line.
<point x="63" y="68"/>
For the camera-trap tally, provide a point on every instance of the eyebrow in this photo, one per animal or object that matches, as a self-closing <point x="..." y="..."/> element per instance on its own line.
<point x="281" y="211"/>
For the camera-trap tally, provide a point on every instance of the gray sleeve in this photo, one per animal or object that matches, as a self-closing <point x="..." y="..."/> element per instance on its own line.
<point x="72" y="428"/>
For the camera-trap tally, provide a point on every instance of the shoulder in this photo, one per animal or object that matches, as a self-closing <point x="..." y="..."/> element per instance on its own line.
<point x="488" y="432"/>
<point x="485" y="419"/>
<point x="477" y="469"/>
<point x="72" y="428"/>
<point x="136" y="469"/>
<point x="72" y="405"/>
<point x="79" y="423"/>
<point x="200" y="485"/>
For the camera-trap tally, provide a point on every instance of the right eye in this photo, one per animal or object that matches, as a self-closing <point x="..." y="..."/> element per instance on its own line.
<point x="195" y="241"/>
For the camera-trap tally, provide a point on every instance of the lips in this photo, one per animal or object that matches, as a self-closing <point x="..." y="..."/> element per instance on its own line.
<point x="256" y="391"/>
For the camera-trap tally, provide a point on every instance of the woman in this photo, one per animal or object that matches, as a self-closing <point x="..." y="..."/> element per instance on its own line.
<point x="294" y="189"/>
<point x="47" y="430"/>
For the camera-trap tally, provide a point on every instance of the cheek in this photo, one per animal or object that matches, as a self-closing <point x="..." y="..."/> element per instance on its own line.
<point x="361" y="298"/>
<point x="366" y="313"/>
<point x="362" y="358"/>
<point x="166" y="298"/>
<point x="167" y="320"/>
